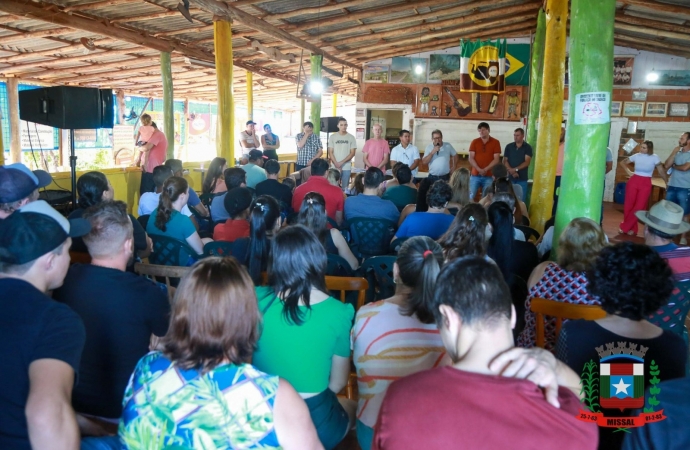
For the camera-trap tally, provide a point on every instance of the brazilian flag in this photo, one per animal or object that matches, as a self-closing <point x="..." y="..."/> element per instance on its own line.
<point x="517" y="65"/>
<point x="482" y="66"/>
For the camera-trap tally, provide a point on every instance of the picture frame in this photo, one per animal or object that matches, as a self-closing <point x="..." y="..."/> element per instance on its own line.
<point x="639" y="96"/>
<point x="616" y="108"/>
<point x="678" y="109"/>
<point x="633" y="109"/>
<point x="656" y="109"/>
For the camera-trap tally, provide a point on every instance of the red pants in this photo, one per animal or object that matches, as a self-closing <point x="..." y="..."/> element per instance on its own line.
<point x="637" y="194"/>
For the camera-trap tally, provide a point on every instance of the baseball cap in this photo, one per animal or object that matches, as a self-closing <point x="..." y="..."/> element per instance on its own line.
<point x="250" y="122"/>
<point x="256" y="154"/>
<point x="34" y="230"/>
<point x="237" y="200"/>
<point x="18" y="182"/>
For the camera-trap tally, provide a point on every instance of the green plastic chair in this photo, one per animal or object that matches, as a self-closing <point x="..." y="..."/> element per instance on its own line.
<point x="371" y="237"/>
<point x="218" y="248"/>
<point x="171" y="252"/>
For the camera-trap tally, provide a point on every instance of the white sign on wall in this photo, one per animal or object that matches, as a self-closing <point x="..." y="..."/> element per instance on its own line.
<point x="37" y="136"/>
<point x="592" y="108"/>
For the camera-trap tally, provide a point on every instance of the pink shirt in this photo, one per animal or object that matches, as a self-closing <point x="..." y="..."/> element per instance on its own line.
<point x="376" y="149"/>
<point x="145" y="132"/>
<point x="157" y="152"/>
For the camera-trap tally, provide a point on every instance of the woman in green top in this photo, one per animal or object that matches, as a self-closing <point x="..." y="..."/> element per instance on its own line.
<point x="306" y="333"/>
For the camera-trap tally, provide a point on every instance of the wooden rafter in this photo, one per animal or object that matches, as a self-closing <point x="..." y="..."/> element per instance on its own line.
<point x="652" y="32"/>
<point x="656" y="24"/>
<point x="658" y="6"/>
<point x="95" y="5"/>
<point x="652" y="45"/>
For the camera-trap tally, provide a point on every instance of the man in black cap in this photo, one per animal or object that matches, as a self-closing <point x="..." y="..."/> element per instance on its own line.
<point x="249" y="141"/>
<point x="40" y="340"/>
<point x="19" y="186"/>
<point x="254" y="168"/>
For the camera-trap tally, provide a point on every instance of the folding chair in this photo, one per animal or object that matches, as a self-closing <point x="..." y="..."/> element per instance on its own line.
<point x="168" y="273"/>
<point x="346" y="284"/>
<point x="171" y="252"/>
<point x="371" y="237"/>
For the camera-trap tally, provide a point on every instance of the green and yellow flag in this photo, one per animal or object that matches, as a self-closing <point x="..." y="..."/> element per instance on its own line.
<point x="482" y="66"/>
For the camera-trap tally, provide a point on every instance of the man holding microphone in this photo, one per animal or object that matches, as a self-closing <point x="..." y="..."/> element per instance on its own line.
<point x="440" y="156"/>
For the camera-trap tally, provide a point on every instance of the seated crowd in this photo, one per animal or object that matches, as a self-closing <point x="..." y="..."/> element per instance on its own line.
<point x="252" y="350"/>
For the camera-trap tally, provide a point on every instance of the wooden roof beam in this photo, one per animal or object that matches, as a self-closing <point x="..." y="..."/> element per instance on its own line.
<point x="222" y="10"/>
<point x="18" y="68"/>
<point x="657" y="46"/>
<point x="53" y="51"/>
<point x="649" y="31"/>
<point x="33" y="34"/>
<point x="333" y="6"/>
<point x="95" y="5"/>
<point x="653" y="5"/>
<point x="649" y="23"/>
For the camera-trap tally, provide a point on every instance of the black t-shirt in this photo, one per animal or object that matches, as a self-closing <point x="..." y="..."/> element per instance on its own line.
<point x="120" y="311"/>
<point x="32" y="327"/>
<point x="516" y="156"/>
<point x="275" y="189"/>
<point x="139" y="234"/>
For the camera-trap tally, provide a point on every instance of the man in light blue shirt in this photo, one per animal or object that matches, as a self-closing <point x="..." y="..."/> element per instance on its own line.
<point x="678" y="190"/>
<point x="440" y="156"/>
<point x="368" y="205"/>
<point x="255" y="172"/>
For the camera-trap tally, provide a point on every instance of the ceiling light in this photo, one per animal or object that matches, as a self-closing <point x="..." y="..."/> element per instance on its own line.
<point x="315" y="87"/>
<point x="418" y="69"/>
<point x="652" y="76"/>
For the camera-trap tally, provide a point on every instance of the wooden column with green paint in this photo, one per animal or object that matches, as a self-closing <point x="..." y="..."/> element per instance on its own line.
<point x="225" y="139"/>
<point x="250" y="96"/>
<point x="316" y="61"/>
<point x="536" y="71"/>
<point x="550" y="112"/>
<point x="168" y="107"/>
<point x="587" y="136"/>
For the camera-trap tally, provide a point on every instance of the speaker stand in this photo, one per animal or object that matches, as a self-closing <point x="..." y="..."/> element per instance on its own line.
<point x="73" y="168"/>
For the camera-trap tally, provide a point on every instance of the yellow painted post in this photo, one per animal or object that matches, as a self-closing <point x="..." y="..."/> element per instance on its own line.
<point x="250" y="96"/>
<point x="225" y="139"/>
<point x="550" y="113"/>
<point x="335" y="105"/>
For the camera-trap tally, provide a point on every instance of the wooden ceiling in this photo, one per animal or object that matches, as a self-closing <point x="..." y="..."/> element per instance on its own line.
<point x="41" y="41"/>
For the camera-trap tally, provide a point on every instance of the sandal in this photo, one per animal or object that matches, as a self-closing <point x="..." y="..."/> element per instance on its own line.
<point x="621" y="231"/>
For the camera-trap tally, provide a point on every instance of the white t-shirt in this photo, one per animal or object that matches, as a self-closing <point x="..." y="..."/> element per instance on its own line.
<point x="149" y="201"/>
<point x="644" y="164"/>
<point x="405" y="155"/>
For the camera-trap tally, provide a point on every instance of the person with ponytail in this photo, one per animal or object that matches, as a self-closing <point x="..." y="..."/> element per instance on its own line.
<point x="467" y="233"/>
<point x="306" y="332"/>
<point x="264" y="222"/>
<point x="312" y="214"/>
<point x="512" y="256"/>
<point x="214" y="183"/>
<point x="403" y="326"/>
<point x="166" y="220"/>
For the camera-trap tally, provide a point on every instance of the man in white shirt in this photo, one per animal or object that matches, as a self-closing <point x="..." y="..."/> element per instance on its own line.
<point x="405" y="152"/>
<point x="249" y="140"/>
<point x="342" y="147"/>
<point x="149" y="201"/>
<point x="440" y="156"/>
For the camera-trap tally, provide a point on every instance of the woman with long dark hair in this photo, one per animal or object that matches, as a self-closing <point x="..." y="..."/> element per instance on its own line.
<point x="166" y="220"/>
<point x="387" y="327"/>
<point x="264" y="222"/>
<point x="306" y="333"/>
<point x="202" y="377"/>
<point x="94" y="188"/>
<point x="312" y="214"/>
<point x="466" y="235"/>
<point x="214" y="183"/>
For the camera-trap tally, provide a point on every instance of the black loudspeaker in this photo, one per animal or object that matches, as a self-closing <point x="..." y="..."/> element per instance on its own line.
<point x="329" y="124"/>
<point x="68" y="108"/>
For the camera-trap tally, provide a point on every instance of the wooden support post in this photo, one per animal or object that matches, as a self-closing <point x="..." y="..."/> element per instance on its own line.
<point x="591" y="46"/>
<point x="15" y="123"/>
<point x="335" y="105"/>
<point x="550" y="113"/>
<point x="120" y="97"/>
<point x="316" y="61"/>
<point x="225" y="139"/>
<point x="536" y="71"/>
<point x="185" y="136"/>
<point x="250" y="96"/>
<point x="168" y="104"/>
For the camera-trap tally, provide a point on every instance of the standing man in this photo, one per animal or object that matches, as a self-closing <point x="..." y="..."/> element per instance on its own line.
<point x="342" y="147"/>
<point x="376" y="150"/>
<point x="153" y="155"/>
<point x="249" y="140"/>
<point x="406" y="153"/>
<point x="679" y="185"/>
<point x="308" y="147"/>
<point x="517" y="157"/>
<point x="485" y="152"/>
<point x="41" y="340"/>
<point x="440" y="157"/>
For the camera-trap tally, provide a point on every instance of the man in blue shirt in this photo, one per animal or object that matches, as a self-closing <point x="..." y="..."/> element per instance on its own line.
<point x="255" y="172"/>
<point x="369" y="204"/>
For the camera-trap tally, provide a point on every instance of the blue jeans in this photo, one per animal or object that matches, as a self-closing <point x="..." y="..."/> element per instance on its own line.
<point x="101" y="443"/>
<point x="345" y="179"/>
<point x="478" y="180"/>
<point x="523" y="185"/>
<point x="679" y="196"/>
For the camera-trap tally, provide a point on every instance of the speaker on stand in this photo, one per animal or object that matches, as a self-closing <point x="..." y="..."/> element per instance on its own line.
<point x="329" y="125"/>
<point x="68" y="108"/>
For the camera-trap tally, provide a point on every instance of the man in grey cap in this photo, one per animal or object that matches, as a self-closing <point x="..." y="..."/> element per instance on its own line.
<point x="663" y="222"/>
<point x="19" y="186"/>
<point x="40" y="340"/>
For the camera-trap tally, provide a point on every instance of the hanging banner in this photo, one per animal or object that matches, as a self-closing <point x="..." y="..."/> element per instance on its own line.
<point x="37" y="136"/>
<point x="482" y="66"/>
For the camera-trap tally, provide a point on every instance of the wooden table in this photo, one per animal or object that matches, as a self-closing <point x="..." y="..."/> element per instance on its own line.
<point x="658" y="191"/>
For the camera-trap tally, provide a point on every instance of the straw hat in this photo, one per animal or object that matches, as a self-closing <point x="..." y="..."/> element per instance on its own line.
<point x="666" y="217"/>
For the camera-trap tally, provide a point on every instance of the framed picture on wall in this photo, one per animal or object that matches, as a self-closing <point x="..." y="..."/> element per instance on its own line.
<point x="678" y="110"/>
<point x="656" y="109"/>
<point x="616" y="109"/>
<point x="633" y="109"/>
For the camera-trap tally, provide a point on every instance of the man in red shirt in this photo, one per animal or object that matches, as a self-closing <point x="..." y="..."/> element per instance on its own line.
<point x="485" y="152"/>
<point x="317" y="182"/>
<point x="493" y="396"/>
<point x="153" y="153"/>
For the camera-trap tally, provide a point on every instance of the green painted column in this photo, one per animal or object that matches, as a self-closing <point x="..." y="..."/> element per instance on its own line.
<point x="550" y="112"/>
<point x="536" y="71"/>
<point x="591" y="84"/>
<point x="168" y="109"/>
<point x="316" y="61"/>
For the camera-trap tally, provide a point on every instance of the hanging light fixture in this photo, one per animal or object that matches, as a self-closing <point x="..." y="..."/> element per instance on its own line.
<point x="419" y="69"/>
<point x="653" y="75"/>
